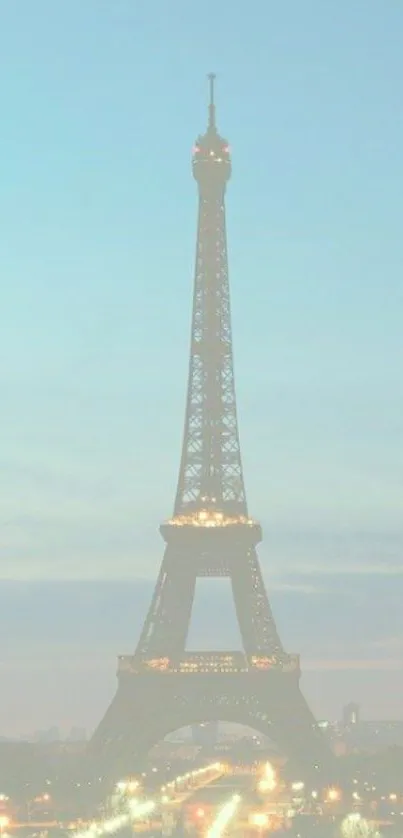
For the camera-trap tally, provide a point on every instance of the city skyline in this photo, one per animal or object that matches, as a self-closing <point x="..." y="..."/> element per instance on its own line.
<point x="89" y="467"/>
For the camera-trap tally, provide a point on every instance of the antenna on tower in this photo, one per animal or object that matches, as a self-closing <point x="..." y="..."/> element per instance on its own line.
<point x="211" y="108"/>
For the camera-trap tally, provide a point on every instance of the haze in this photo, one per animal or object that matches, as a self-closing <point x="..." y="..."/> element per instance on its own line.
<point x="101" y="105"/>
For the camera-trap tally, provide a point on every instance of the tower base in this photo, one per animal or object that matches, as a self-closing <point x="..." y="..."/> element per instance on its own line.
<point x="148" y="706"/>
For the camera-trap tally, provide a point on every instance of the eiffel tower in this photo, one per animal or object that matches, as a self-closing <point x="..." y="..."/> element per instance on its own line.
<point x="163" y="687"/>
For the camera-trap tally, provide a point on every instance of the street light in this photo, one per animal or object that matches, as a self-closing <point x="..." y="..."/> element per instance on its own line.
<point x="268" y="781"/>
<point x="298" y="786"/>
<point x="259" y="820"/>
<point x="333" y="795"/>
<point x="4" y="823"/>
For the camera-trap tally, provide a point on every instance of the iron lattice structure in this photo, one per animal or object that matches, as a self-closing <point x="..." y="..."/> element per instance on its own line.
<point x="211" y="486"/>
<point x="211" y="467"/>
<point x="162" y="687"/>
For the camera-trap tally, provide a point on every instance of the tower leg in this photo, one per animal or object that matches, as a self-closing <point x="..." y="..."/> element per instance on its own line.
<point x="255" y="618"/>
<point x="167" y="624"/>
<point x="148" y="707"/>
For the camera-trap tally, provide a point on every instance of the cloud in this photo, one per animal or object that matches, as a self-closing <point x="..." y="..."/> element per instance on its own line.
<point x="348" y="569"/>
<point x="390" y="644"/>
<point x="84" y="536"/>
<point x="330" y="553"/>
<point x="63" y="639"/>
<point x="345" y="665"/>
<point x="80" y="520"/>
<point x="332" y="621"/>
<point x="295" y="587"/>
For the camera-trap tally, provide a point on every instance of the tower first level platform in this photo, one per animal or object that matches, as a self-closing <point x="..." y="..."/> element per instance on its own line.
<point x="194" y="664"/>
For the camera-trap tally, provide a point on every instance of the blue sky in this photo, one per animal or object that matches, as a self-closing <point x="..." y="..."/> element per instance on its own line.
<point x="101" y="102"/>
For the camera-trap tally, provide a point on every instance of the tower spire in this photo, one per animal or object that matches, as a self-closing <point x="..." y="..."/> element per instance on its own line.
<point x="211" y="108"/>
<point x="211" y="468"/>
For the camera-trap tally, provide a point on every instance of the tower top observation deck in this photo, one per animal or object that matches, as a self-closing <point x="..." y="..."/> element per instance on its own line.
<point x="211" y="161"/>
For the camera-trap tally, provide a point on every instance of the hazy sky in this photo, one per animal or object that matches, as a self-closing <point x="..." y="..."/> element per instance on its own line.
<point x="101" y="102"/>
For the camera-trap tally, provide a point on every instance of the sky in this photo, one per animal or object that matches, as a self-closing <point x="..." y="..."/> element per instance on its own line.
<point x="101" y="102"/>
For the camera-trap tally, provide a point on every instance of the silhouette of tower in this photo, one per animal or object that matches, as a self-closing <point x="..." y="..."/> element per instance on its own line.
<point x="163" y="687"/>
